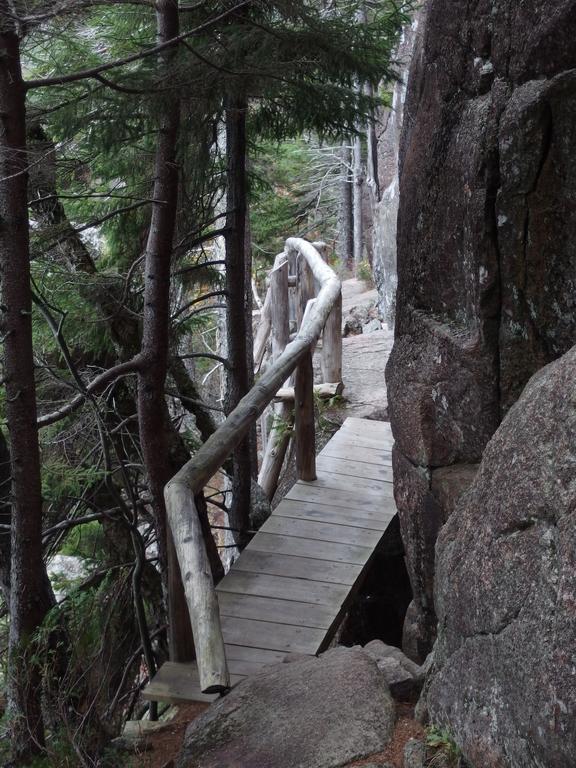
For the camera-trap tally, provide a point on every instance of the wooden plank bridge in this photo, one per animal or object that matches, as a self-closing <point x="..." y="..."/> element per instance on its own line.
<point x="290" y="588"/>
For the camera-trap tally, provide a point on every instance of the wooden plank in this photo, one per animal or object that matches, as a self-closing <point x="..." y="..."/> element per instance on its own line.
<point x="318" y="550"/>
<point x="343" y="437"/>
<point x="323" y="531"/>
<point x="338" y="498"/>
<point x="362" y="487"/>
<point x="332" y="344"/>
<point x="376" y="521"/>
<point x="297" y="567"/>
<point x="351" y="453"/>
<point x="239" y="667"/>
<point x="277" y="611"/>
<point x="369" y="425"/>
<point x="266" y="585"/>
<point x="278" y="637"/>
<point x="261" y="656"/>
<point x="350" y="468"/>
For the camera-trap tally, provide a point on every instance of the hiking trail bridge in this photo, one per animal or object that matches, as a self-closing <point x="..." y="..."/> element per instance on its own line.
<point x="291" y="586"/>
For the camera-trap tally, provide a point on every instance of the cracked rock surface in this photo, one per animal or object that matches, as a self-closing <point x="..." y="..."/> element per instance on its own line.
<point x="310" y="713"/>
<point x="505" y="679"/>
<point x="486" y="258"/>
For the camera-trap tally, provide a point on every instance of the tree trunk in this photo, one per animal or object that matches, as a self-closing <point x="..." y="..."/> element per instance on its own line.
<point x="30" y="594"/>
<point x="5" y="519"/>
<point x="372" y="178"/>
<point x="152" y="410"/>
<point x="358" y="190"/>
<point x="345" y="212"/>
<point x="240" y="375"/>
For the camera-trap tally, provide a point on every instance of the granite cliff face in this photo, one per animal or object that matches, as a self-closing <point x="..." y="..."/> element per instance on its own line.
<point x="384" y="201"/>
<point x="486" y="257"/>
<point x="506" y="589"/>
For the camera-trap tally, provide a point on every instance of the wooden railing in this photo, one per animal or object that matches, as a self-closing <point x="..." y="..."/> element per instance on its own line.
<point x="317" y="313"/>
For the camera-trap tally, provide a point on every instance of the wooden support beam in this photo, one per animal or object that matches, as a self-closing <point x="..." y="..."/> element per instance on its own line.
<point x="276" y="447"/>
<point x="279" y="309"/>
<point x="304" y="289"/>
<point x="263" y="332"/>
<point x="198" y="585"/>
<point x="332" y="344"/>
<point x="304" y="420"/>
<point x="279" y="437"/>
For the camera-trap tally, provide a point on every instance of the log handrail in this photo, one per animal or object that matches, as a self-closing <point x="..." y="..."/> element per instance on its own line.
<point x="189" y="481"/>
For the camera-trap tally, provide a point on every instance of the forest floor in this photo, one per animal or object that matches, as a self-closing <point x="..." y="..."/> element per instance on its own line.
<point x="364" y="358"/>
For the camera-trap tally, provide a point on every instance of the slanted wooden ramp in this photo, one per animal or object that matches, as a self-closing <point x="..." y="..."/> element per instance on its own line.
<point x="290" y="588"/>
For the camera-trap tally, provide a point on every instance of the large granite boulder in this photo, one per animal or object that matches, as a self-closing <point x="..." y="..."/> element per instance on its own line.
<point x="312" y="713"/>
<point x="486" y="258"/>
<point x="505" y="660"/>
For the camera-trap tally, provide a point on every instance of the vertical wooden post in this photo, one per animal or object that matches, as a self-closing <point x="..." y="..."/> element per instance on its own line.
<point x="263" y="332"/>
<point x="323" y="250"/>
<point x="279" y="436"/>
<point x="279" y="309"/>
<point x="304" y="419"/>
<point x="180" y="637"/>
<point x="304" y="288"/>
<point x="332" y="345"/>
<point x="292" y="290"/>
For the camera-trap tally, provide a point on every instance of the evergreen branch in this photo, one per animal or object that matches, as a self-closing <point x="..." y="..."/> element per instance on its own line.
<point x="93" y="72"/>
<point x="201" y="265"/>
<point x="197" y="301"/>
<point x="207" y="355"/>
<point x="63" y="10"/>
<point x="192" y="401"/>
<point x="96" y="386"/>
<point x="102" y="219"/>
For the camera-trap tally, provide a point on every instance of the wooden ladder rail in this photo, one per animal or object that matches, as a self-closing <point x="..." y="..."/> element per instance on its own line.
<point x="189" y="481"/>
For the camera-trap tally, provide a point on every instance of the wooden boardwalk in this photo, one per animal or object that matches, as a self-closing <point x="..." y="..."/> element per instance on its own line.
<point x="290" y="588"/>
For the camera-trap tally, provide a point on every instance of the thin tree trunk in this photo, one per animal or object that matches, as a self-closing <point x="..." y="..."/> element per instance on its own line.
<point x="240" y="374"/>
<point x="248" y="309"/>
<point x="372" y="179"/>
<point x="30" y="594"/>
<point x="5" y="518"/>
<point x="152" y="409"/>
<point x="345" y="211"/>
<point x="358" y="188"/>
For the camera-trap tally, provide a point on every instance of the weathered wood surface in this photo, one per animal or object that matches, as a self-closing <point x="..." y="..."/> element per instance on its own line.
<point x="332" y="344"/>
<point x="278" y="440"/>
<point x="291" y="586"/>
<point x="304" y="420"/>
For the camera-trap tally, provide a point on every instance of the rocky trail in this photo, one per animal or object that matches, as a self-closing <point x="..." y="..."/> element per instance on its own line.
<point x="366" y="346"/>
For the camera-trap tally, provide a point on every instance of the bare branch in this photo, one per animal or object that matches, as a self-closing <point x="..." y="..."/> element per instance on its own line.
<point x="96" y="386"/>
